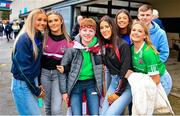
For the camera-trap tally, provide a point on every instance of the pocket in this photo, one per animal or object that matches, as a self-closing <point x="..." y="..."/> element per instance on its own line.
<point x="25" y="90"/>
<point x="56" y="75"/>
<point x="76" y="89"/>
<point x="44" y="73"/>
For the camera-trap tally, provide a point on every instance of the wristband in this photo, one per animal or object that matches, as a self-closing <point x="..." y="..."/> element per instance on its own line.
<point x="40" y="102"/>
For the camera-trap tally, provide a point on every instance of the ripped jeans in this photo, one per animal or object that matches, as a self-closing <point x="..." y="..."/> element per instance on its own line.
<point x="89" y="87"/>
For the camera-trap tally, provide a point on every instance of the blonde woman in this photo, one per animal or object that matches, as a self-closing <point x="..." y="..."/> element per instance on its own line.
<point x="26" y="64"/>
<point x="145" y="58"/>
<point x="55" y="46"/>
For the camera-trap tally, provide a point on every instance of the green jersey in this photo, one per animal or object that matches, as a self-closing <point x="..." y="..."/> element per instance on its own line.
<point x="147" y="61"/>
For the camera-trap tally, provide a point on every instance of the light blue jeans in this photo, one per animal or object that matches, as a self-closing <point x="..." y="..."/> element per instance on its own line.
<point x="118" y="106"/>
<point x="53" y="98"/>
<point x="89" y="87"/>
<point x="25" y="101"/>
<point x="166" y="82"/>
<point x="108" y="78"/>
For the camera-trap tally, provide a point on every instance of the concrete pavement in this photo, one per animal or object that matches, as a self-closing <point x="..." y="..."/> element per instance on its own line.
<point x="7" y="106"/>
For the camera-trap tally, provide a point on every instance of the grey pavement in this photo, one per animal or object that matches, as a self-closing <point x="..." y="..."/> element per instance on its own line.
<point x="7" y="106"/>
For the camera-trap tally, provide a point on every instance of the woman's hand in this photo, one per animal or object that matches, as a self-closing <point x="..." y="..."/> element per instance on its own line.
<point x="60" y="68"/>
<point x="156" y="78"/>
<point x="113" y="97"/>
<point x="128" y="73"/>
<point x="42" y="94"/>
<point x="65" y="98"/>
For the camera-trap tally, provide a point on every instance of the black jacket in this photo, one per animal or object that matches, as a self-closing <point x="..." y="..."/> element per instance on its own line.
<point x="111" y="60"/>
<point x="119" y="67"/>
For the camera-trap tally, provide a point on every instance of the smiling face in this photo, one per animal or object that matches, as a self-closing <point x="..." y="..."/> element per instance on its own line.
<point x="87" y="34"/>
<point x="105" y="29"/>
<point x="40" y="22"/>
<point x="55" y="24"/>
<point x="122" y="20"/>
<point x="145" y="17"/>
<point x="137" y="33"/>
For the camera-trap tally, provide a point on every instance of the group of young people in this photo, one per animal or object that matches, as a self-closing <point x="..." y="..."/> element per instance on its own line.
<point x="47" y="64"/>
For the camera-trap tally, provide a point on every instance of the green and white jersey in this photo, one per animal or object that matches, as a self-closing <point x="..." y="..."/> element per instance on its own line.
<point x="147" y="61"/>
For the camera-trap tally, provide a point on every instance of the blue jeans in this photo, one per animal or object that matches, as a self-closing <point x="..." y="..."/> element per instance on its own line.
<point x="89" y="87"/>
<point x="166" y="82"/>
<point x="25" y="101"/>
<point x="108" y="78"/>
<point x="53" y="98"/>
<point x="118" y="106"/>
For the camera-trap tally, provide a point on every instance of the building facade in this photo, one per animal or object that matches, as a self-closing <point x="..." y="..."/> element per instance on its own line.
<point x="97" y="8"/>
<point x="20" y="7"/>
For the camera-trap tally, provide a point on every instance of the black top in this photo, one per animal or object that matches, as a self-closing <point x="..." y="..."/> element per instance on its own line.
<point x="119" y="67"/>
<point x="115" y="66"/>
<point x="57" y="37"/>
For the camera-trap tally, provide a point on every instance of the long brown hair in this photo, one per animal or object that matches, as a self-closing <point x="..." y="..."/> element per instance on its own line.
<point x="63" y="27"/>
<point x="147" y="38"/>
<point x="129" y="17"/>
<point x="114" y="40"/>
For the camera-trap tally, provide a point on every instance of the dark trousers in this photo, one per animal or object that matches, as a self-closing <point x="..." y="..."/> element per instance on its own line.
<point x="8" y="36"/>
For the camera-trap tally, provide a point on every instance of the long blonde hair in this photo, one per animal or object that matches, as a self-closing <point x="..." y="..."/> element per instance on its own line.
<point x="63" y="27"/>
<point x="30" y="29"/>
<point x="147" y="38"/>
